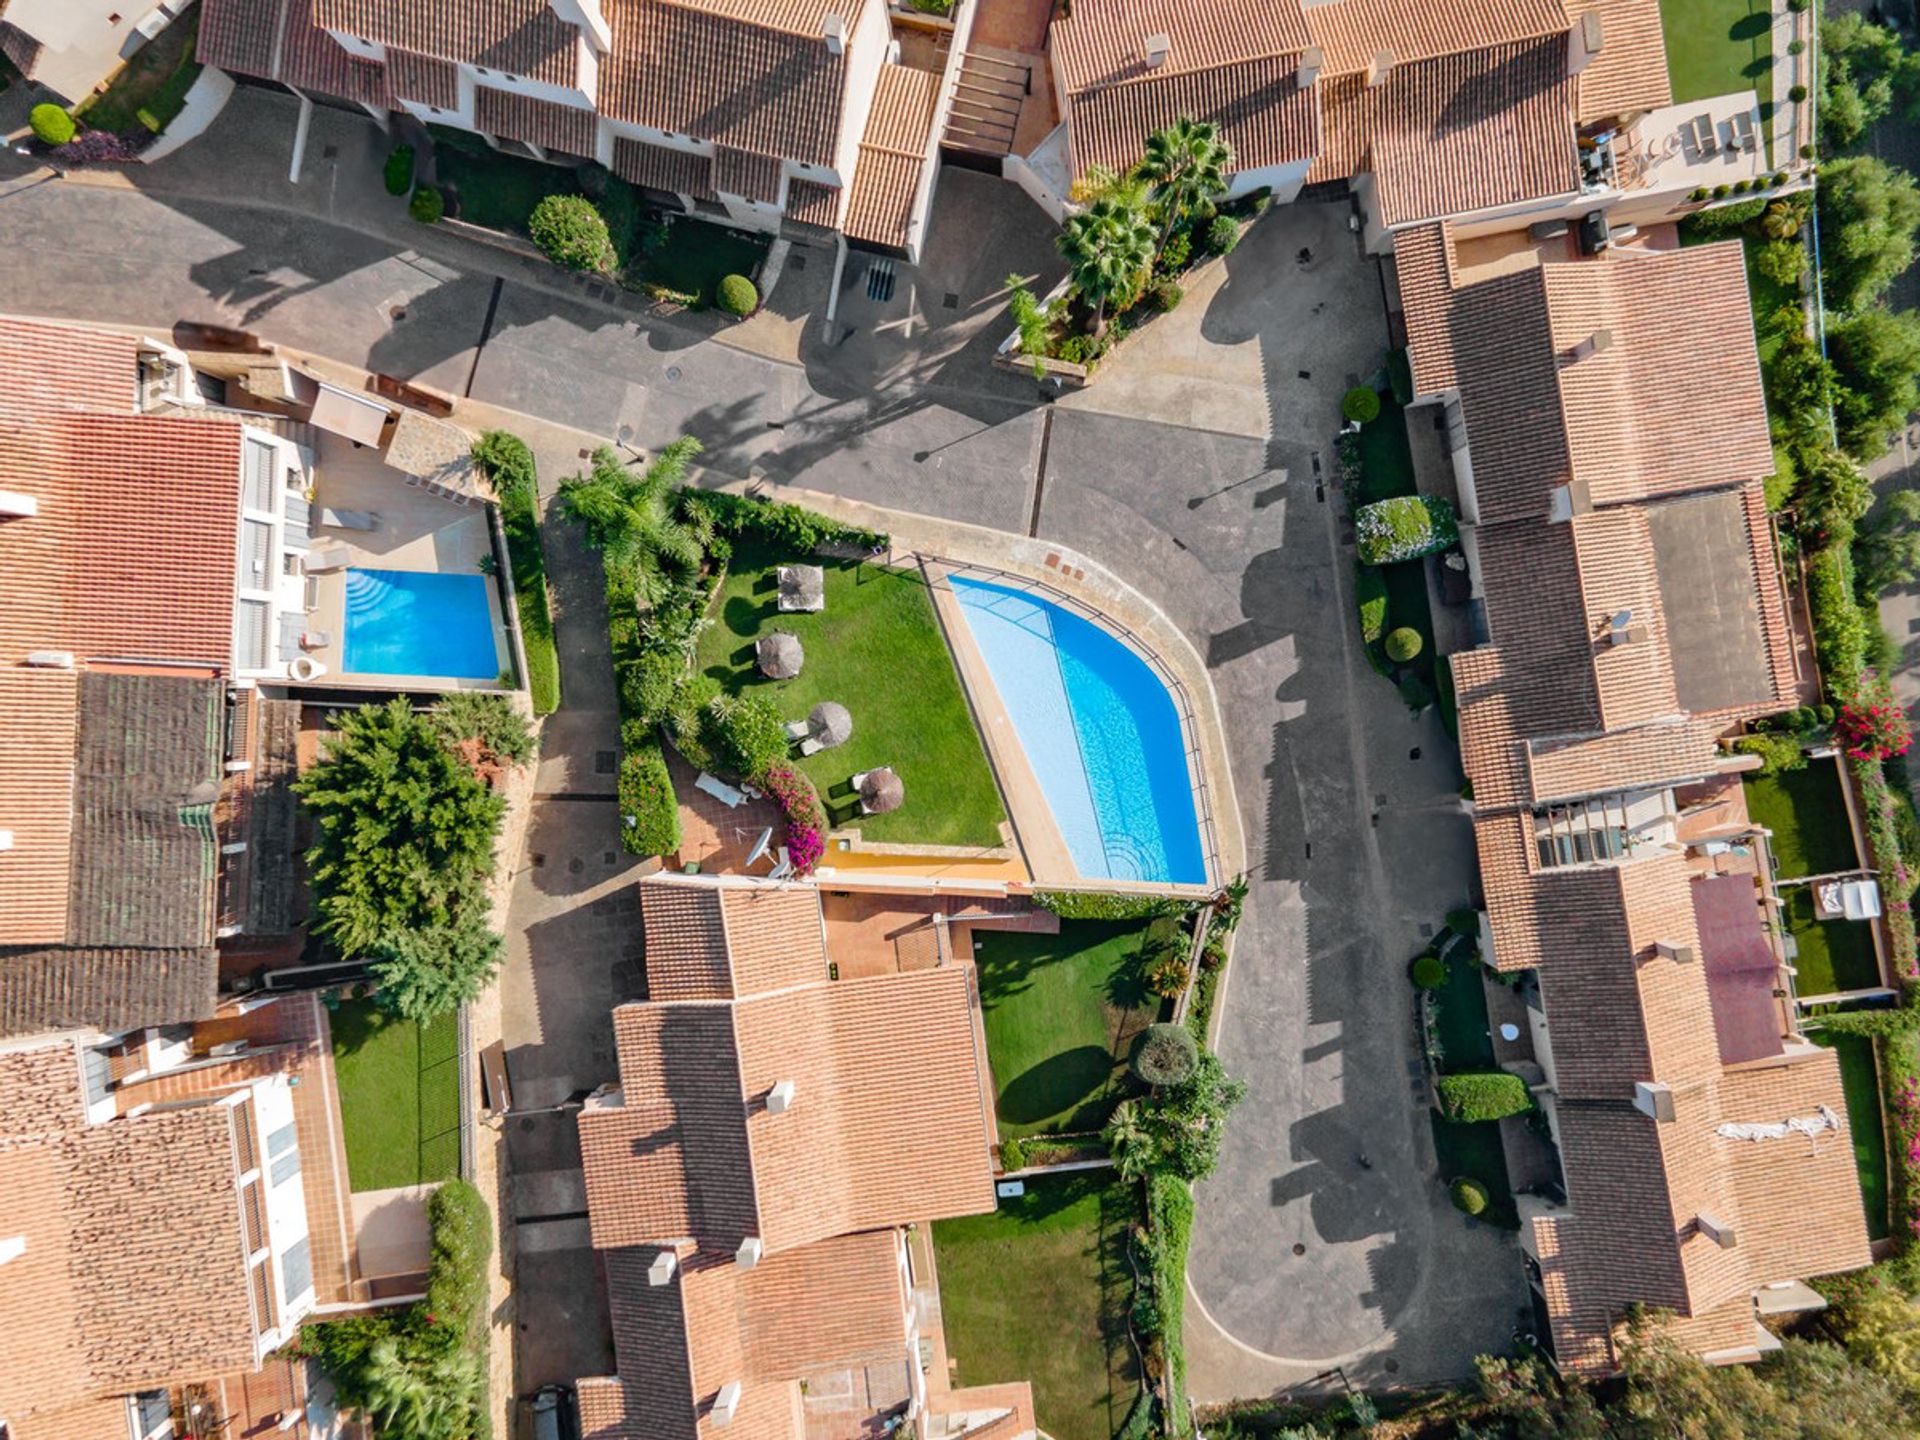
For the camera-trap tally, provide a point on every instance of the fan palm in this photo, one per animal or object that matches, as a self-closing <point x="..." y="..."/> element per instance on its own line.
<point x="1186" y="164"/>
<point x="1130" y="1141"/>
<point x="420" y="1397"/>
<point x="1108" y="248"/>
<point x="634" y="518"/>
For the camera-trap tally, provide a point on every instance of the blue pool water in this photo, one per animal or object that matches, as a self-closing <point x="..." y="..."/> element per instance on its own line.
<point x="412" y="622"/>
<point x="1100" y="731"/>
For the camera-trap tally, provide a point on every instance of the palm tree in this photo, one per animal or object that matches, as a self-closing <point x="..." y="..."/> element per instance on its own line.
<point x="420" y="1397"/>
<point x="1186" y="164"/>
<point x="1108" y="248"/>
<point x="634" y="518"/>
<point x="1129" y="1140"/>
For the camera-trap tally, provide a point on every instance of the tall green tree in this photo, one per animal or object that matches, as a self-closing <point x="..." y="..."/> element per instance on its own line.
<point x="1186" y="163"/>
<point x="634" y="518"/>
<point x="424" y="974"/>
<point x="1869" y="211"/>
<point x="404" y="832"/>
<point x="1876" y="367"/>
<point x="490" y="719"/>
<point x="1886" y="553"/>
<point x="1865" y="73"/>
<point x="1109" y="248"/>
<point x="421" y="1395"/>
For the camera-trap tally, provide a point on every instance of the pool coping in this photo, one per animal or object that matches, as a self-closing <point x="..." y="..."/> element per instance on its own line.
<point x="1087" y="585"/>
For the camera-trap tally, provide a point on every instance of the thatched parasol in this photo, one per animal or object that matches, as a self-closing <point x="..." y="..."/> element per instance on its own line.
<point x="829" y="724"/>
<point x="802" y="587"/>
<point x="880" y="791"/>
<point x="779" y="655"/>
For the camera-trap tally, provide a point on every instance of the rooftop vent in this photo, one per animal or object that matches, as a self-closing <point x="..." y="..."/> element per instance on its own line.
<point x="51" y="659"/>
<point x="1569" y="500"/>
<point x="12" y="1248"/>
<point x="6" y="839"/>
<point x="1601" y="339"/>
<point x="725" y="1403"/>
<point x="1157" y="48"/>
<point x="1715" y="1230"/>
<point x="1382" y="63"/>
<point x="833" y="25"/>
<point x="1311" y="59"/>
<point x="780" y="1097"/>
<point x="661" y="1271"/>
<point x="748" y="1255"/>
<point x="1652" y="1097"/>
<point x="16" y="506"/>
<point x="1676" y="951"/>
<point x="1583" y="42"/>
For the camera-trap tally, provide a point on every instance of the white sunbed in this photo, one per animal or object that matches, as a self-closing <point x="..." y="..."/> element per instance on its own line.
<point x="720" y="790"/>
<point x="328" y="557"/>
<point x="798" y="730"/>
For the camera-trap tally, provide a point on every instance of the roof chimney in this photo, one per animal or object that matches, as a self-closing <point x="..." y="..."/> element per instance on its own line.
<point x="748" y="1255"/>
<point x="834" y="27"/>
<point x="1675" y="951"/>
<point x="725" y="1403"/>
<point x="1599" y="340"/>
<point x="1715" y="1230"/>
<point x="6" y="839"/>
<point x="780" y="1097"/>
<point x="1311" y="59"/>
<point x="1569" y="500"/>
<point x="661" y="1271"/>
<point x="1157" y="47"/>
<point x="16" y="506"/>
<point x="1583" y="42"/>
<point x="1382" y="63"/>
<point x="51" y="660"/>
<point x="1655" y="1098"/>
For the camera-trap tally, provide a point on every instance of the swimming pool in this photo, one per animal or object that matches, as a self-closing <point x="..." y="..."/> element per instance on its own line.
<point x="1100" y="731"/>
<point x="415" y="622"/>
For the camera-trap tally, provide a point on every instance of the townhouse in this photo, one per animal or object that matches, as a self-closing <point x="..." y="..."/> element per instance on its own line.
<point x="1629" y="611"/>
<point x="752" y="1177"/>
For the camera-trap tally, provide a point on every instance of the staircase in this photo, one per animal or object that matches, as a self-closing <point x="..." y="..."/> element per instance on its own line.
<point x="986" y="109"/>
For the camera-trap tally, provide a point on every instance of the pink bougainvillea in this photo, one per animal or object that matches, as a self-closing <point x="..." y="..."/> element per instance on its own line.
<point x="1872" y="725"/>
<point x="806" y="816"/>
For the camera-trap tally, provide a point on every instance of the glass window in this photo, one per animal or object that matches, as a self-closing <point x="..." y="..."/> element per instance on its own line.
<point x="283" y="1155"/>
<point x="250" y="634"/>
<point x="296" y="1271"/>
<point x="256" y="553"/>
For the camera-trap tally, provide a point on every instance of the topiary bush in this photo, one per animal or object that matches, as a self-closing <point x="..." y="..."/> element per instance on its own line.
<point x="51" y="125"/>
<point x="649" y="811"/>
<point x="427" y="205"/>
<point x="1223" y="234"/>
<point x="1403" y="644"/>
<point x="737" y="296"/>
<point x="1013" y="1155"/>
<point x="1429" y="972"/>
<point x="1166" y="295"/>
<point x="1404" y="527"/>
<point x="1361" y="404"/>
<point x="1483" y="1095"/>
<point x="572" y="233"/>
<point x="399" y="171"/>
<point x="1163" y="1055"/>
<point x="1469" y="1197"/>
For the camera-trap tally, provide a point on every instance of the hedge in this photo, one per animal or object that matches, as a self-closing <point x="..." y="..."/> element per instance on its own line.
<point x="1102" y="905"/>
<point x="1839" y="629"/>
<point x="399" y="170"/>
<point x="1404" y="527"/>
<point x="777" y="521"/>
<point x="1170" y="1215"/>
<point x="1483" y="1095"/>
<point x="461" y="1227"/>
<point x="508" y="463"/>
<point x="1370" y="592"/>
<point x="649" y="811"/>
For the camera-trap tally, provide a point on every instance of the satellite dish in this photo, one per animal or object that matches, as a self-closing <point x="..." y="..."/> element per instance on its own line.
<point x="1622" y="619"/>
<point x="1509" y="1031"/>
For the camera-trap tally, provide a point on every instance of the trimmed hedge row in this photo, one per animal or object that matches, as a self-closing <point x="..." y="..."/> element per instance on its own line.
<point x="1103" y="905"/>
<point x="649" y="810"/>
<point x="1483" y="1095"/>
<point x="1404" y="527"/>
<point x="507" y="461"/>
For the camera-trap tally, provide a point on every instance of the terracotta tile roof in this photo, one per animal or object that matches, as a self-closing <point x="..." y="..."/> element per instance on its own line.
<point x="892" y="156"/>
<point x="42" y="1365"/>
<point x="521" y="37"/>
<point x="693" y="71"/>
<point x="1473" y="131"/>
<point x="239" y="35"/>
<point x="714" y="942"/>
<point x="775" y="937"/>
<point x="1662" y="752"/>
<point x="814" y="204"/>
<point x="39" y="712"/>
<point x="801" y="17"/>
<point x="105" y="989"/>
<point x="566" y="128"/>
<point x="659" y="168"/>
<point x="1259" y="104"/>
<point x="686" y="941"/>
<point x="1630" y="72"/>
<point x="1351" y="32"/>
<point x="751" y="177"/>
<point x="424" y="79"/>
<point x="311" y="59"/>
<point x="1423" y="265"/>
<point x="1103" y="42"/>
<point x="1344" y="135"/>
<point x="47" y="369"/>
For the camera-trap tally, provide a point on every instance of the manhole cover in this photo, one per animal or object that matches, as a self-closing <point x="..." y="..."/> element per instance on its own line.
<point x="605" y="762"/>
<point x="951" y="302"/>
<point x="1299" y="1249"/>
<point x="606" y="857"/>
<point x="538" y="861"/>
<point x="1392" y="1367"/>
<point x="1414" y="753"/>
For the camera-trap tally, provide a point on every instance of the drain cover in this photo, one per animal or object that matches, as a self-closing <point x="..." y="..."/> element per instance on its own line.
<point x="1299" y="1249"/>
<point x="604" y="762"/>
<point x="673" y="372"/>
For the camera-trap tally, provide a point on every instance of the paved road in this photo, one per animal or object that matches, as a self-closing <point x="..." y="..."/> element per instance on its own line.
<point x="1349" y="803"/>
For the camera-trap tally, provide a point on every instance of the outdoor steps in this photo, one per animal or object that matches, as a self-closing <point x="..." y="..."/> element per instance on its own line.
<point x="986" y="105"/>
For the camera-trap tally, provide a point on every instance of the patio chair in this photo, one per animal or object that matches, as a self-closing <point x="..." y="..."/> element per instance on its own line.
<point x="349" y="519"/>
<point x="1706" y="138"/>
<point x="810" y="747"/>
<point x="797" y="730"/>
<point x="726" y="794"/>
<point x="1742" y="130"/>
<point x="328" y="557"/>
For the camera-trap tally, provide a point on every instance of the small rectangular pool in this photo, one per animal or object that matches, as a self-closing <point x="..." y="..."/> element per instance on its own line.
<point x="418" y="622"/>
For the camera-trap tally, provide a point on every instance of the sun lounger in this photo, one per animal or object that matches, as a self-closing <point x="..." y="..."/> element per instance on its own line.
<point x="797" y="730"/>
<point x="810" y="747"/>
<point x="1706" y="137"/>
<point x="349" y="519"/>
<point x="328" y="557"/>
<point x="719" y="789"/>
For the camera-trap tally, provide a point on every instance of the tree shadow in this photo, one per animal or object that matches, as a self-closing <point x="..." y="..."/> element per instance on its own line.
<point x="1058" y="1085"/>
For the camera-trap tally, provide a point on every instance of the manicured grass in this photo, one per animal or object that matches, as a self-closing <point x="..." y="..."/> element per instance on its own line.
<point x="878" y="650"/>
<point x="1474" y="1151"/>
<point x="152" y="86"/>
<point x="1061" y="1012"/>
<point x="1460" y="1019"/>
<point x="697" y="256"/>
<point x="520" y="520"/>
<point x="1386" y="470"/>
<point x="1038" y="1291"/>
<point x="1834" y="955"/>
<point x="1808" y="817"/>
<point x="1860" y="1078"/>
<point x="1386" y="456"/>
<point x="1718" y="47"/>
<point x="399" y="1096"/>
<point x="496" y="190"/>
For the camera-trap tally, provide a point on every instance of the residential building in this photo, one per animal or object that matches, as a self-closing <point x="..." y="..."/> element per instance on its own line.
<point x="751" y="1177"/>
<point x="171" y="1208"/>
<point x="809" y="115"/>
<point x="1628" y="611"/>
<point x="71" y="49"/>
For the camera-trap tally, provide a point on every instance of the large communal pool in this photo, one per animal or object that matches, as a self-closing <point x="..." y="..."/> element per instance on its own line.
<point x="1100" y="731"/>
<point x="415" y="622"/>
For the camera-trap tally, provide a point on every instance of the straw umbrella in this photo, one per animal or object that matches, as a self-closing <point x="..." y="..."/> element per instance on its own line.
<point x="802" y="587"/>
<point x="829" y="724"/>
<point x="880" y="791"/>
<point x="779" y="655"/>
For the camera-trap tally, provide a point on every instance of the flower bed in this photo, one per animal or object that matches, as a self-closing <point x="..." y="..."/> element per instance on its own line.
<point x="1405" y="527"/>
<point x="806" y="816"/>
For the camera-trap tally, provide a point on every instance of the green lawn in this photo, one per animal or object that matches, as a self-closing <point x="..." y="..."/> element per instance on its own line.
<point x="1861" y="1081"/>
<point x="1460" y="1019"/>
<point x="1807" y="814"/>
<point x="878" y="650"/>
<point x="152" y="86"/>
<point x="399" y="1096"/>
<point x="1038" y="1291"/>
<point x="1835" y="955"/>
<point x="1386" y="455"/>
<point x="1474" y="1152"/>
<point x="493" y="189"/>
<point x="1061" y="1012"/>
<point x="697" y="255"/>
<point x="1717" y="47"/>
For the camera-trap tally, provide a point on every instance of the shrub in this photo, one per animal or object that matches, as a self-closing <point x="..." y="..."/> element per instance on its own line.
<point x="1370" y="589"/>
<point x="649" y="811"/>
<point x="806" y="816"/>
<point x="572" y="233"/>
<point x="1223" y="234"/>
<point x="1781" y="261"/>
<point x="1720" y="192"/>
<point x="1403" y="644"/>
<point x="51" y="125"/>
<point x="1361" y="404"/>
<point x="746" y="733"/>
<point x="1102" y="905"/>
<point x="1798" y="92"/>
<point x="737" y="296"/>
<point x="1429" y="972"/>
<point x="1415" y="693"/>
<point x="1727" y="218"/>
<point x="491" y="722"/>
<point x="1164" y="1055"/>
<point x="1776" y="752"/>
<point x="1873" y="725"/>
<point x="1469" y="1197"/>
<point x="508" y="463"/>
<point x="1464" y="922"/>
<point x="1404" y="527"/>
<point x="1165" y="295"/>
<point x="1483" y="1095"/>
<point x="789" y="525"/>
<point x="649" y="686"/>
<point x="427" y="205"/>
<point x="1013" y="1155"/>
<point x="1839" y="630"/>
<point x="1167" y="973"/>
<point x="1699" y="192"/>
<point x="399" y="171"/>
<point x="1175" y="254"/>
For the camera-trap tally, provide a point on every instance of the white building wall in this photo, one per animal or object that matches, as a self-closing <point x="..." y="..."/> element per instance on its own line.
<point x="1284" y="180"/>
